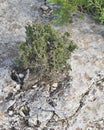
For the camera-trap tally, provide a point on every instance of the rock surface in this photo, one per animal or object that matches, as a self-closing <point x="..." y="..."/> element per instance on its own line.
<point x="78" y="103"/>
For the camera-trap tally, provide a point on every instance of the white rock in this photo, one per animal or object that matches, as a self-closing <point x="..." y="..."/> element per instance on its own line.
<point x="18" y="86"/>
<point x="21" y="75"/>
<point x="55" y="85"/>
<point x="34" y="86"/>
<point x="10" y="113"/>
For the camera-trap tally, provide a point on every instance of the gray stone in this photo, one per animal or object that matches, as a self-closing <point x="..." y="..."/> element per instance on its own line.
<point x="44" y="7"/>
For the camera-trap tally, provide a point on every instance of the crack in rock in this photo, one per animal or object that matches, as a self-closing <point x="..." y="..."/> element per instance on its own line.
<point x="83" y="98"/>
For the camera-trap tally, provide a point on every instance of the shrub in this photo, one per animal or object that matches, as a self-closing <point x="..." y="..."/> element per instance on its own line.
<point x="66" y="7"/>
<point x="96" y="8"/>
<point x="46" y="50"/>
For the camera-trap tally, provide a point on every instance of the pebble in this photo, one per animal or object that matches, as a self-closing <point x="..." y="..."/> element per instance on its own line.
<point x="10" y="113"/>
<point x="55" y="85"/>
<point x="44" y="8"/>
<point x="18" y="87"/>
<point x="34" y="86"/>
<point x="21" y="75"/>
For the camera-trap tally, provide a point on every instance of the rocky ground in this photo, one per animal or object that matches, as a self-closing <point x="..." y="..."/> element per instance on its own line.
<point x="78" y="102"/>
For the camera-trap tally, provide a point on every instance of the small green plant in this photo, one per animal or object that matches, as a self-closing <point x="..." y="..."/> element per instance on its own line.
<point x="46" y="50"/>
<point x="66" y="7"/>
<point x="96" y="8"/>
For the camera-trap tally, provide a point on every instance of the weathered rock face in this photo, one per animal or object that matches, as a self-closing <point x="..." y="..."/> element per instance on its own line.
<point x="78" y="102"/>
<point x="87" y="69"/>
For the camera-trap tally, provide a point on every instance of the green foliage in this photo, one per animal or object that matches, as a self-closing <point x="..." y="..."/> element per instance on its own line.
<point x="96" y="8"/>
<point x="66" y="7"/>
<point x="45" y="50"/>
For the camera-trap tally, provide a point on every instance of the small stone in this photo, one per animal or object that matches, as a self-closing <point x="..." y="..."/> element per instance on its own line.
<point x="14" y="90"/>
<point x="55" y="85"/>
<point x="34" y="86"/>
<point x="18" y="87"/>
<point x="43" y="15"/>
<point x="21" y="75"/>
<point x="44" y="8"/>
<point x="10" y="113"/>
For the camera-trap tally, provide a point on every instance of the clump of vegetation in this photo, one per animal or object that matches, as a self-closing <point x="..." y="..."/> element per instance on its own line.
<point x="96" y="8"/>
<point x="46" y="50"/>
<point x="66" y="7"/>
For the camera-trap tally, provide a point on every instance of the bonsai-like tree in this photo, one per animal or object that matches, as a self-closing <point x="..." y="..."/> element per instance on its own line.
<point x="46" y="50"/>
